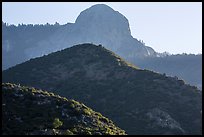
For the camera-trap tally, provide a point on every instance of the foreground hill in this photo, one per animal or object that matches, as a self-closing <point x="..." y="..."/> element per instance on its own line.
<point x="139" y="101"/>
<point x="28" y="111"/>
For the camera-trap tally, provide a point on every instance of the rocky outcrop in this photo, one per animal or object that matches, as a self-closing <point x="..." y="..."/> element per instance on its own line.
<point x="164" y="121"/>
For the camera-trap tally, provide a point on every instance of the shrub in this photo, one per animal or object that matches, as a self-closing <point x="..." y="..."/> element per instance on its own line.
<point x="57" y="123"/>
<point x="86" y="111"/>
<point x="68" y="132"/>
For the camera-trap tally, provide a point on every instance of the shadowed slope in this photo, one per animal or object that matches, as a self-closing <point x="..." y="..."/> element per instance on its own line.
<point x="139" y="101"/>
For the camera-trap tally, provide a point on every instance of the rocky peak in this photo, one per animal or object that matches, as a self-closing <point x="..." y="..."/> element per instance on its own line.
<point x="104" y="19"/>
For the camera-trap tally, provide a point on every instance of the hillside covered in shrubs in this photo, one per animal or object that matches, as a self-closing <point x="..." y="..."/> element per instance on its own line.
<point x="29" y="111"/>
<point x="139" y="101"/>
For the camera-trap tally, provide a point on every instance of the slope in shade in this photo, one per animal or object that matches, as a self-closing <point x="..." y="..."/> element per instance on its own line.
<point x="28" y="111"/>
<point x="139" y="101"/>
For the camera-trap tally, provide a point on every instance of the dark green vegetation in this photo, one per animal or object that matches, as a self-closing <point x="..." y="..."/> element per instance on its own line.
<point x="138" y="101"/>
<point x="28" y="111"/>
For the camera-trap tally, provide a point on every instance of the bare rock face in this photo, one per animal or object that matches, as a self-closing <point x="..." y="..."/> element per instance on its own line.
<point x="163" y="120"/>
<point x="104" y="20"/>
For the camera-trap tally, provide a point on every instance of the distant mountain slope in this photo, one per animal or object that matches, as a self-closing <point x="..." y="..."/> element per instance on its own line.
<point x="28" y="111"/>
<point x="138" y="101"/>
<point x="185" y="66"/>
<point x="17" y="39"/>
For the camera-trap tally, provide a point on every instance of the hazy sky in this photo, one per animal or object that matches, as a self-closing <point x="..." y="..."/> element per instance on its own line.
<point x="175" y="27"/>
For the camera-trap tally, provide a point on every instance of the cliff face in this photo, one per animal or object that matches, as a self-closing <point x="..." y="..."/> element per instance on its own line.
<point x="29" y="111"/>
